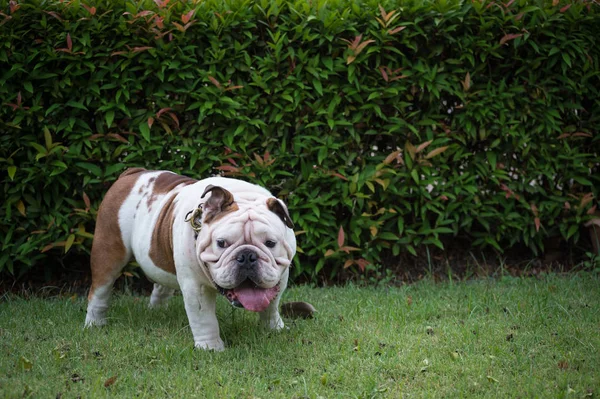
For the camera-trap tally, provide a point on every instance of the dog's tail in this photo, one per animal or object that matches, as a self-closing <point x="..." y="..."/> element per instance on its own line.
<point x="297" y="310"/>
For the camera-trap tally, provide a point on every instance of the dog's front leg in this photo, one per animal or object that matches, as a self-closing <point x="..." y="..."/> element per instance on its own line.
<point x="200" y="303"/>
<point x="270" y="317"/>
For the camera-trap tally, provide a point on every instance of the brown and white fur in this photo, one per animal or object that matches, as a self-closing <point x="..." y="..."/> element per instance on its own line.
<point x="145" y="215"/>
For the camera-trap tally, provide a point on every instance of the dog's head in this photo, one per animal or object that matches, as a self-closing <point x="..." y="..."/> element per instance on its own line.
<point x="247" y="244"/>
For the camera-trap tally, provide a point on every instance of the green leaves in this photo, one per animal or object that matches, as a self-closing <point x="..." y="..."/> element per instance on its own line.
<point x="109" y="117"/>
<point x="402" y="127"/>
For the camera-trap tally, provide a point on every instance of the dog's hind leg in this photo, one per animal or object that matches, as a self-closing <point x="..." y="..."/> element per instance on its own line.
<point x="110" y="251"/>
<point x="106" y="268"/>
<point x="160" y="295"/>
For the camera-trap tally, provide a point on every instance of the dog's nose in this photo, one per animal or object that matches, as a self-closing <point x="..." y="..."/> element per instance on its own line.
<point x="247" y="258"/>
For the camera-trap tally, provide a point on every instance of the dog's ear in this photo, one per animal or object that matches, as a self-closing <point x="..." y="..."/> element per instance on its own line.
<point x="219" y="202"/>
<point x="278" y="207"/>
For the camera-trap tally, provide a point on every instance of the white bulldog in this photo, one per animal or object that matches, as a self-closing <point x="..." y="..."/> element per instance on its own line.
<point x="203" y="237"/>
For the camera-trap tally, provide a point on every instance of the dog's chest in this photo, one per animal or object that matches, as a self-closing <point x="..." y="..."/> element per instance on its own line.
<point x="146" y="221"/>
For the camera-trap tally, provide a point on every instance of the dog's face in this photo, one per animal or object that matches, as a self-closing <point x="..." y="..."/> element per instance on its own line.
<point x="247" y="244"/>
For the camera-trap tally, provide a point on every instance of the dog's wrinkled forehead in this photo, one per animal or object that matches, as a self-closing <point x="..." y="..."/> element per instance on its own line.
<point x="222" y="203"/>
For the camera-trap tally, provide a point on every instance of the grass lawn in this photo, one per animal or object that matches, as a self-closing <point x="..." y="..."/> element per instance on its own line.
<point x="490" y="338"/>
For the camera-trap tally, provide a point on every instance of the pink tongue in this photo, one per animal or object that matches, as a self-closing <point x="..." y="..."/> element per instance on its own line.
<point x="255" y="299"/>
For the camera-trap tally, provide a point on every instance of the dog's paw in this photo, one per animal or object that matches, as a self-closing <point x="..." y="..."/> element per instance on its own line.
<point x="273" y="323"/>
<point x="216" y="345"/>
<point x="91" y="322"/>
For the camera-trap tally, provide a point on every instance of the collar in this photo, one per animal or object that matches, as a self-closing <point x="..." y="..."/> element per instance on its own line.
<point x="194" y="217"/>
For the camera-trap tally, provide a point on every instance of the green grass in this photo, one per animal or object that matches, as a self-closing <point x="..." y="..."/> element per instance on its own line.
<point x="488" y="338"/>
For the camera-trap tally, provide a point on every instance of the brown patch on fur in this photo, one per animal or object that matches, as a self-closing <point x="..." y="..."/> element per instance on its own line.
<point x="165" y="183"/>
<point x="131" y="171"/>
<point x="216" y="217"/>
<point x="108" y="254"/>
<point x="280" y="210"/>
<point x="218" y="205"/>
<point x="161" y="245"/>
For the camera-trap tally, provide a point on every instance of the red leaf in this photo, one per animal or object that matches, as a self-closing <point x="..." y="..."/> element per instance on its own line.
<point x="69" y="42"/>
<point x="179" y="27"/>
<point x="143" y="13"/>
<point x="383" y="73"/>
<point x="162" y="4"/>
<point x="398" y="77"/>
<point x="174" y="117"/>
<point x="510" y="36"/>
<point x="86" y="201"/>
<point x="348" y="263"/>
<point x="581" y="134"/>
<point x="534" y="209"/>
<point x="13" y="6"/>
<point x="329" y="252"/>
<point x="586" y="199"/>
<point x="185" y="18"/>
<point x="162" y="111"/>
<point x="592" y="210"/>
<point x="118" y="137"/>
<point x="396" y="30"/>
<point x="214" y="81"/>
<point x="228" y="168"/>
<point x="339" y="176"/>
<point x="467" y="82"/>
<point x="341" y="237"/>
<point x="159" y="21"/>
<point x="565" y="8"/>
<point x="537" y="224"/>
<point x="19" y="99"/>
<point x="362" y="264"/>
<point x="422" y="146"/>
<point x="55" y="15"/>
<point x="142" y="48"/>
<point x="47" y="248"/>
<point x="234" y="88"/>
<point x="91" y="10"/>
<point x="567" y="205"/>
<point x="150" y="121"/>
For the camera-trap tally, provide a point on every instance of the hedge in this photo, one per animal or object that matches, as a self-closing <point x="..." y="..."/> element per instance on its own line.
<point x="387" y="127"/>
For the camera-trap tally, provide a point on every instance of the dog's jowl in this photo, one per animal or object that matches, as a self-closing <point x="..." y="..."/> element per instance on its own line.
<point x="204" y="237"/>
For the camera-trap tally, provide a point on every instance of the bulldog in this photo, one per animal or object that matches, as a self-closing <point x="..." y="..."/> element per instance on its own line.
<point x="216" y="235"/>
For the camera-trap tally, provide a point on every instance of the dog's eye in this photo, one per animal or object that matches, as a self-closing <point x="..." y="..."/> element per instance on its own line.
<point x="270" y="244"/>
<point x="221" y="243"/>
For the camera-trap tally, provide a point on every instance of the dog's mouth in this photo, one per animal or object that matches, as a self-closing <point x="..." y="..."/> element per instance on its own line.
<point x="250" y="296"/>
